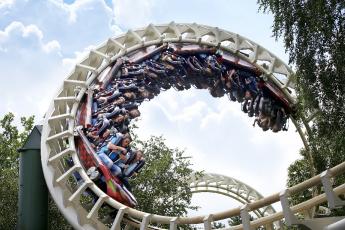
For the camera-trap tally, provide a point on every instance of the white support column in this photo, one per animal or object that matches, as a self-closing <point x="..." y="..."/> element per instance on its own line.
<point x="100" y="54"/>
<point x="94" y="211"/>
<point x="145" y="222"/>
<point x="333" y="200"/>
<point x="117" y="222"/>
<point x="76" y="195"/>
<point x="207" y="222"/>
<point x="173" y="224"/>
<point x="245" y="217"/>
<point x="75" y="83"/>
<point x="61" y="154"/>
<point x="60" y="135"/>
<point x="290" y="218"/>
<point x="65" y="175"/>
<point x="86" y="68"/>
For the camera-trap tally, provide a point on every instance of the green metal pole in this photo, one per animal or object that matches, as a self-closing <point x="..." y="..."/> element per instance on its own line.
<point x="33" y="192"/>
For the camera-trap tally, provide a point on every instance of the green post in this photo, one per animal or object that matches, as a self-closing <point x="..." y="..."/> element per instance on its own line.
<point x="33" y="192"/>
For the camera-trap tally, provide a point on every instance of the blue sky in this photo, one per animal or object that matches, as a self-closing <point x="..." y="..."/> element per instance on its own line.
<point x="41" y="41"/>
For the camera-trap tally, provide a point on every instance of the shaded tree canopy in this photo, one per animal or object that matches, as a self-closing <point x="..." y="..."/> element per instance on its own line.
<point x="11" y="139"/>
<point x="314" y="36"/>
<point x="162" y="187"/>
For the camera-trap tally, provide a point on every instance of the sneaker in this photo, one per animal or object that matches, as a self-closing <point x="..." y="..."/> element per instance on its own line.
<point x="93" y="173"/>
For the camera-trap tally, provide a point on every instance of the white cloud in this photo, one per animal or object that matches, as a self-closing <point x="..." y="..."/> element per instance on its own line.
<point x="185" y="114"/>
<point x="29" y="65"/>
<point x="210" y="119"/>
<point x="4" y="35"/>
<point x="31" y="30"/>
<point x="220" y="138"/>
<point x="17" y="30"/>
<point x="48" y="49"/>
<point x="77" y="6"/>
<point x="25" y="31"/>
<point x="6" y="3"/>
<point x="93" y="20"/>
<point x="51" y="46"/>
<point x="133" y="14"/>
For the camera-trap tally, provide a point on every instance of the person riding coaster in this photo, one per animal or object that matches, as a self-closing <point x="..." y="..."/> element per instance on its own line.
<point x="114" y="104"/>
<point x="131" y="167"/>
<point x="113" y="185"/>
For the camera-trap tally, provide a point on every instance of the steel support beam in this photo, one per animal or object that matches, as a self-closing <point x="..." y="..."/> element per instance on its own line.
<point x="33" y="192"/>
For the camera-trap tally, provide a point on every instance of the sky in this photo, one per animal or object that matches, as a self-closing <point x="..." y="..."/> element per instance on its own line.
<point x="41" y="41"/>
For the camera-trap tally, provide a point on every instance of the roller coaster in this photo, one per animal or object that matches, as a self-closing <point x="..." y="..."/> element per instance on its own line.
<point x="87" y="163"/>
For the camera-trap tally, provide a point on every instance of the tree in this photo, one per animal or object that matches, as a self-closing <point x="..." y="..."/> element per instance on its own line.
<point x="56" y="221"/>
<point x="163" y="185"/>
<point x="314" y="36"/>
<point x="217" y="225"/>
<point x="297" y="173"/>
<point x="237" y="220"/>
<point x="11" y="139"/>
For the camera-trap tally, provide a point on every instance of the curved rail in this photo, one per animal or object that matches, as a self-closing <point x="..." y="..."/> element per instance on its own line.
<point x="58" y="130"/>
<point x="228" y="186"/>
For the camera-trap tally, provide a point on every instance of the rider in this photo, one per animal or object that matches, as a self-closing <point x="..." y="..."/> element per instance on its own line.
<point x="116" y="148"/>
<point x="132" y="166"/>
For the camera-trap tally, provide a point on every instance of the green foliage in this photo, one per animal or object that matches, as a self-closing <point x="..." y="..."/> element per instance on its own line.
<point x="11" y="139"/>
<point x="237" y="220"/>
<point x="314" y="35"/>
<point x="297" y="173"/>
<point x="163" y="185"/>
<point x="56" y="221"/>
<point x="8" y="198"/>
<point x="217" y="225"/>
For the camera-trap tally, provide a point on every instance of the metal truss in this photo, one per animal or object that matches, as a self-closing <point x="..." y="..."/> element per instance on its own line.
<point x="59" y="124"/>
<point x="230" y="187"/>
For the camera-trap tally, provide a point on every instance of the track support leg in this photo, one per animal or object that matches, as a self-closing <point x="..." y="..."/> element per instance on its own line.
<point x="33" y="192"/>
